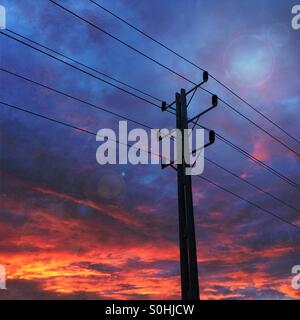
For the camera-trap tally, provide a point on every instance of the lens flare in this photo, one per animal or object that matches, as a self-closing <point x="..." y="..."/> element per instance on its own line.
<point x="111" y="187"/>
<point x="249" y="61"/>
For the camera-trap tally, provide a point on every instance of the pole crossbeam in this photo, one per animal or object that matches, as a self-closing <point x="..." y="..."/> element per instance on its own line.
<point x="165" y="106"/>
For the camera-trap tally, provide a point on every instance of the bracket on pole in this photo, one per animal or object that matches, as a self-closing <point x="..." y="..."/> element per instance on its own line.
<point x="214" y="102"/>
<point x="160" y="138"/>
<point x="171" y="164"/>
<point x="211" y="138"/>
<point x="165" y="106"/>
<point x="205" y="77"/>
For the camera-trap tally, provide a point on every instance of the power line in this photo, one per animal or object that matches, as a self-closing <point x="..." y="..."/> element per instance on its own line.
<point x="195" y="65"/>
<point x="79" y="69"/>
<point x="249" y="202"/>
<point x="120" y="41"/>
<point x="186" y="232"/>
<point x="65" y="56"/>
<point x="252" y="184"/>
<point x="86" y="66"/>
<point x="133" y="121"/>
<point x="255" y="124"/>
<point x="74" y="98"/>
<point x="261" y="163"/>
<point x="165" y="67"/>
<point x="255" y="109"/>
<point x="95" y="134"/>
<point x="252" y="158"/>
<point x="48" y="118"/>
<point x="226" y="141"/>
<point x="85" y="72"/>
<point x="71" y="126"/>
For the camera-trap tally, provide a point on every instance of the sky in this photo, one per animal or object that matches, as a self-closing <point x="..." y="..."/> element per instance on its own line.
<point x="73" y="229"/>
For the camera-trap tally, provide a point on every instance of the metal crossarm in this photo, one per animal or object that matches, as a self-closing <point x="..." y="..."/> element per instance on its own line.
<point x="165" y="106"/>
<point x="211" y="138"/>
<point x="214" y="101"/>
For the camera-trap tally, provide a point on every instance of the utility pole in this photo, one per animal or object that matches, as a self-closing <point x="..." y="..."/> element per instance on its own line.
<point x="188" y="252"/>
<point x="187" y="238"/>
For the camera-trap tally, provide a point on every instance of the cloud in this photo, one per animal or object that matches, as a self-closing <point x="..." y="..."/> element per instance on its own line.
<point x="60" y="238"/>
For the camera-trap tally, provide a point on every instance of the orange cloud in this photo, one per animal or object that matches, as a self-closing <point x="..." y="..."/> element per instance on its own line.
<point x="260" y="149"/>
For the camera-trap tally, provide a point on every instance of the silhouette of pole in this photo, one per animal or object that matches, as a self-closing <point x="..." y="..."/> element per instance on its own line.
<point x="184" y="261"/>
<point x="187" y="239"/>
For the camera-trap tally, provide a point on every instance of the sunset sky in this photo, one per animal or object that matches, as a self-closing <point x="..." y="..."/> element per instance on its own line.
<point x="72" y="229"/>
